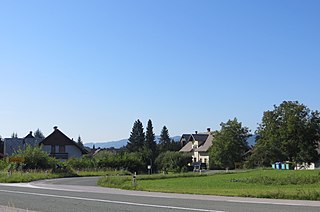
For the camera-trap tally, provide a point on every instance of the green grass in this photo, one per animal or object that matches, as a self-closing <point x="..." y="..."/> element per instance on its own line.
<point x="22" y="177"/>
<point x="89" y="173"/>
<point x="285" y="184"/>
<point x="32" y="175"/>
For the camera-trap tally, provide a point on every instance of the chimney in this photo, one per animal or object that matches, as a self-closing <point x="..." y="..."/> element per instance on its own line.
<point x="196" y="132"/>
<point x="30" y="133"/>
<point x="208" y="130"/>
<point x="55" y="128"/>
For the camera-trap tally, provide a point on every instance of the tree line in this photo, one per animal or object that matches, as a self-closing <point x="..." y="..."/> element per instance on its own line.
<point x="289" y="132"/>
<point x="150" y="152"/>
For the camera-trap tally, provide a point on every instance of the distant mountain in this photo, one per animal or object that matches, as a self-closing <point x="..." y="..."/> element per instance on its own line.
<point x="119" y="143"/>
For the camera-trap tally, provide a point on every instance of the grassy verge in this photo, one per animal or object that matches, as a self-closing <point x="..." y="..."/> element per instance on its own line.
<point x="32" y="175"/>
<point x="22" y="177"/>
<point x="91" y="173"/>
<point x="278" y="184"/>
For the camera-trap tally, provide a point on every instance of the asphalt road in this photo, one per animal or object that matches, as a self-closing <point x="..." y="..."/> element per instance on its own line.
<point x="81" y="194"/>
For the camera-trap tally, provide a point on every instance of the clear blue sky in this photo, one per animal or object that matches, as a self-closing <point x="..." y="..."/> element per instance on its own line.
<point x="94" y="67"/>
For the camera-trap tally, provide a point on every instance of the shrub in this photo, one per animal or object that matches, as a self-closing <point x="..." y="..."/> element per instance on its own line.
<point x="35" y="158"/>
<point x="63" y="168"/>
<point x="132" y="162"/>
<point x="173" y="161"/>
<point x="82" y="163"/>
<point x="3" y="164"/>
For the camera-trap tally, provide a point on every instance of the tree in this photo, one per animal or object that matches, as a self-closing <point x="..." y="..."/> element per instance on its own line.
<point x="150" y="143"/>
<point x="173" y="161"/>
<point x="1" y="145"/>
<point x="80" y="143"/>
<point x="290" y="132"/>
<point x="38" y="134"/>
<point x="35" y="158"/>
<point x="137" y="138"/>
<point x="175" y="145"/>
<point x="14" y="135"/>
<point x="229" y="144"/>
<point x="165" y="142"/>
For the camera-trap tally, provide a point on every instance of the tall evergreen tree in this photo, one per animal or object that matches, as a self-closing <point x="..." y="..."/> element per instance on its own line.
<point x="38" y="134"/>
<point x="14" y="135"/>
<point x="80" y="143"/>
<point x="137" y="138"/>
<point x="150" y="144"/>
<point x="165" y="142"/>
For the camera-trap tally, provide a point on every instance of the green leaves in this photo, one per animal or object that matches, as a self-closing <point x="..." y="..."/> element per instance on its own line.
<point x="229" y="144"/>
<point x="290" y="132"/>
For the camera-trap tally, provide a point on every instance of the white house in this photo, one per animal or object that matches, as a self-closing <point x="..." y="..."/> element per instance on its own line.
<point x="61" y="147"/>
<point x="198" y="144"/>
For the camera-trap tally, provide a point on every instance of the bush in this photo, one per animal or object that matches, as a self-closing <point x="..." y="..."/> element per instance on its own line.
<point x="35" y="158"/>
<point x="82" y="163"/>
<point x="132" y="162"/>
<point x="63" y="168"/>
<point x="173" y="161"/>
<point x="3" y="165"/>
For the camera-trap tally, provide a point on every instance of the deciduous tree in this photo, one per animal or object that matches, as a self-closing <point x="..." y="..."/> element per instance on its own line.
<point x="229" y="144"/>
<point x="290" y="132"/>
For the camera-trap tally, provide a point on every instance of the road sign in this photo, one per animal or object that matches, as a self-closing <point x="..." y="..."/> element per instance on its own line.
<point x="17" y="159"/>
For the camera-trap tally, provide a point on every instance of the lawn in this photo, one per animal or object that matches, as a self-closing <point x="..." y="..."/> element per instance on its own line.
<point x="280" y="184"/>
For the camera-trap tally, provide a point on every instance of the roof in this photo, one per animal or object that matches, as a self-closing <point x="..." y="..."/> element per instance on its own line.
<point x="29" y="135"/>
<point x="204" y="142"/>
<point x="11" y="145"/>
<point x="206" y="145"/>
<point x="187" y="147"/>
<point x="59" y="138"/>
<point x="201" y="138"/>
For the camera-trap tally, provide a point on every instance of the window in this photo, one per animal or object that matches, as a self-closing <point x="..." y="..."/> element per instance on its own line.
<point x="53" y="149"/>
<point x="62" y="149"/>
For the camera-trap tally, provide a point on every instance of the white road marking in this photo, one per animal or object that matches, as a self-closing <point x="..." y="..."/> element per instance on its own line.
<point x="176" y="196"/>
<point x="112" y="201"/>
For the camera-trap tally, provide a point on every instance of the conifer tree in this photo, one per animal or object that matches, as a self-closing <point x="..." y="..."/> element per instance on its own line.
<point x="137" y="138"/>
<point x="165" y="142"/>
<point x="38" y="134"/>
<point x="80" y="143"/>
<point x="150" y="144"/>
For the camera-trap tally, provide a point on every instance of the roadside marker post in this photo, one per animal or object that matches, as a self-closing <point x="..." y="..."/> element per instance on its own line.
<point x="134" y="179"/>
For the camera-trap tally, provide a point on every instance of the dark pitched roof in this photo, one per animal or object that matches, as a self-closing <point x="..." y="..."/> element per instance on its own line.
<point x="201" y="138"/>
<point x="59" y="138"/>
<point x="29" y="135"/>
<point x="186" y="136"/>
<point x="204" y="142"/>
